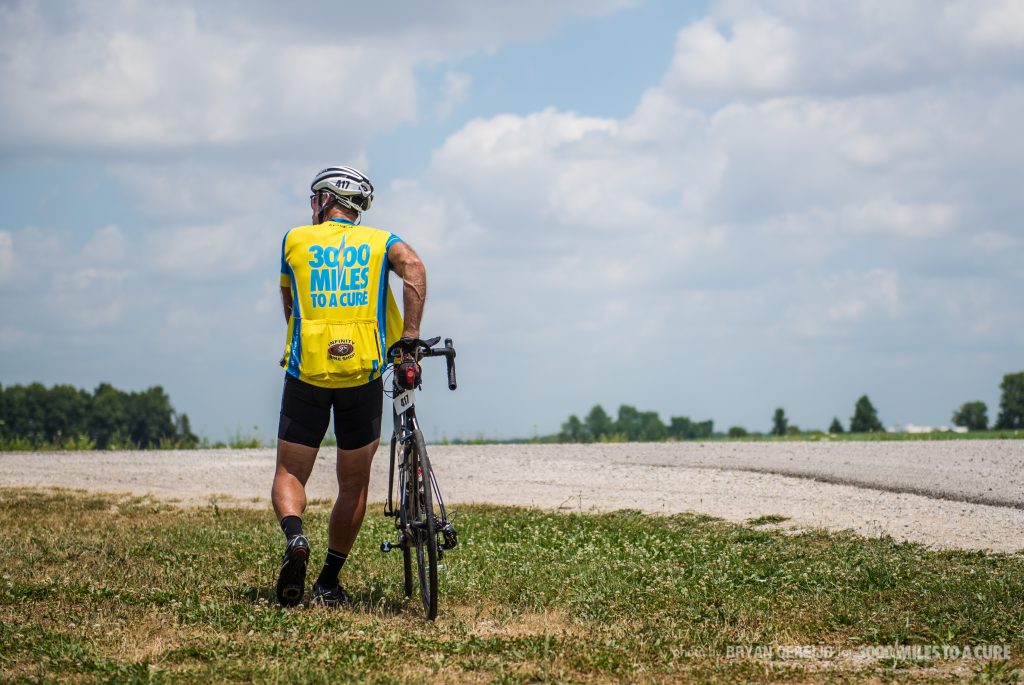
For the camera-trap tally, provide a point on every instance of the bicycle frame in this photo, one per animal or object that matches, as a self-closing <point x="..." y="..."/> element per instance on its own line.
<point x="421" y="518"/>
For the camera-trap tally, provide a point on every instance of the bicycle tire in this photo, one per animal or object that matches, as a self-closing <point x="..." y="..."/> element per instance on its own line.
<point x="407" y="546"/>
<point x="426" y="538"/>
<point x="405" y="517"/>
<point x="407" y="568"/>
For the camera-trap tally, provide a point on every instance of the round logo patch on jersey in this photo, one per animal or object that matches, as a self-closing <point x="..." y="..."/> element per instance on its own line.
<point x="341" y="350"/>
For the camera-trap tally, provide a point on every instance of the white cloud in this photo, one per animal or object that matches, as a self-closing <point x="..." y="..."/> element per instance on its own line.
<point x="154" y="93"/>
<point x="999" y="25"/>
<point x="879" y="216"/>
<point x="141" y="79"/>
<point x="193" y="190"/>
<point x="213" y="251"/>
<point x="846" y="299"/>
<point x="29" y="253"/>
<point x="776" y="47"/>
<point x="106" y="245"/>
<point x="453" y="93"/>
<point x="6" y="256"/>
<point x="506" y="140"/>
<point x="16" y="339"/>
<point x="433" y="223"/>
<point x="996" y="241"/>
<point x="758" y="57"/>
<point x="886" y="215"/>
<point x="63" y="288"/>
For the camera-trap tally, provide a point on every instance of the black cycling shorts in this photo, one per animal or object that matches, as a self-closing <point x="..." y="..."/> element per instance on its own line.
<point x="306" y="413"/>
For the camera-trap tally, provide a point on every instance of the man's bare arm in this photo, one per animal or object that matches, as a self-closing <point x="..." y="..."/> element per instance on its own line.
<point x="407" y="264"/>
<point x="286" y="301"/>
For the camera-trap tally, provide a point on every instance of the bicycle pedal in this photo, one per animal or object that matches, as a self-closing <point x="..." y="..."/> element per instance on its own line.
<point x="386" y="546"/>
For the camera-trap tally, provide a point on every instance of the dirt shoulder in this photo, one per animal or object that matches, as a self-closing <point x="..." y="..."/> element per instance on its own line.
<point x="946" y="495"/>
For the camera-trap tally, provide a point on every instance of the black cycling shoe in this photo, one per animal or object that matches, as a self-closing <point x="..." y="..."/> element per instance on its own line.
<point x="329" y="596"/>
<point x="291" y="582"/>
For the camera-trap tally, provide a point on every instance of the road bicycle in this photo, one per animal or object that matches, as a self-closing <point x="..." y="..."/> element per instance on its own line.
<point x="421" y="519"/>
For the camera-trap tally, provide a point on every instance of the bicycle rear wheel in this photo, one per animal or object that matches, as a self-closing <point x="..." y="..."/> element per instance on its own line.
<point x="422" y="520"/>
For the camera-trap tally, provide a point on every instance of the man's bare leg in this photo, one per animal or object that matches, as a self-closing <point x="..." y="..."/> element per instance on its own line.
<point x="350" y="507"/>
<point x="294" y="464"/>
<point x="346" y="519"/>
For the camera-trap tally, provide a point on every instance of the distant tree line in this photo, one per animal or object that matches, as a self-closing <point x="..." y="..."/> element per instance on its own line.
<point x="1011" y="405"/>
<point x="864" y="420"/>
<point x="646" y="426"/>
<point x="970" y="415"/>
<point x="631" y="425"/>
<point x="974" y="415"/>
<point x="34" y="416"/>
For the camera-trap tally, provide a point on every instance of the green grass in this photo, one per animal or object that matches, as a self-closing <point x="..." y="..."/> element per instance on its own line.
<point x="767" y="520"/>
<point x="105" y="588"/>
<point x="245" y="439"/>
<point x="807" y="436"/>
<point x="870" y="437"/>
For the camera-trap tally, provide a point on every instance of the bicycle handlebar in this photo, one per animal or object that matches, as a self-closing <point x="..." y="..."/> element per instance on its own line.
<point x="450" y="360"/>
<point x="425" y="348"/>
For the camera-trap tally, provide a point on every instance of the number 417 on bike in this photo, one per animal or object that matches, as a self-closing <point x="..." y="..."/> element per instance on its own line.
<point x="404" y="400"/>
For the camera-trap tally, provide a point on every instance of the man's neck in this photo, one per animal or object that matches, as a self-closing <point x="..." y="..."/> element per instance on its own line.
<point x="336" y="214"/>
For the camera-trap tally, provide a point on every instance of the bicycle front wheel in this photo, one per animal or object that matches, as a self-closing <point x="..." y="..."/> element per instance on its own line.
<point x="423" y="524"/>
<point x="403" y="513"/>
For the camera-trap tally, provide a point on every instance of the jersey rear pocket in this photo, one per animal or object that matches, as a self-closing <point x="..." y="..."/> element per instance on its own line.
<point x="339" y="351"/>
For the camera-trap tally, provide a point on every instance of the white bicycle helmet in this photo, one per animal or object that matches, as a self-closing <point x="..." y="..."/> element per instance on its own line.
<point x="348" y="186"/>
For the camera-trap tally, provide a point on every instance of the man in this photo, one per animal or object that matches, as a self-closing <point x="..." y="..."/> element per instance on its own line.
<point x="341" y="320"/>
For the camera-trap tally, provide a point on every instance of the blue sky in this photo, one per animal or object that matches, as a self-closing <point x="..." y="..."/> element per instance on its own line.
<point x="705" y="209"/>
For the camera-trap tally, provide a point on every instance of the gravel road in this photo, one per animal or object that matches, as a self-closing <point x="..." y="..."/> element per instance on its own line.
<point x="949" y="494"/>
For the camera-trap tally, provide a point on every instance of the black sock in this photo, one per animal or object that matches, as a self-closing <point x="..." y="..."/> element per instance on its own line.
<point x="292" y="526"/>
<point x="332" y="567"/>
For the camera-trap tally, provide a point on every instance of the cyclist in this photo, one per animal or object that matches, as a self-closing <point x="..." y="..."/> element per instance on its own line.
<point x="341" y="319"/>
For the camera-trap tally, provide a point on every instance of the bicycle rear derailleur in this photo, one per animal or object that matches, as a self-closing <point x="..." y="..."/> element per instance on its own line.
<point x="448" y="532"/>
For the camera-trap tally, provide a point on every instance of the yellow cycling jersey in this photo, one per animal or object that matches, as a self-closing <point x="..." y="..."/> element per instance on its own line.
<point x="344" y="316"/>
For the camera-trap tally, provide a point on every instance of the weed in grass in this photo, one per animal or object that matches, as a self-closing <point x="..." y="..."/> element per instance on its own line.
<point x="768" y="519"/>
<point x="245" y="439"/>
<point x="997" y="672"/>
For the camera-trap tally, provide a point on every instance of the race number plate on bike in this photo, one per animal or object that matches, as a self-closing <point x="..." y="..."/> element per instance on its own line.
<point x="404" y="400"/>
